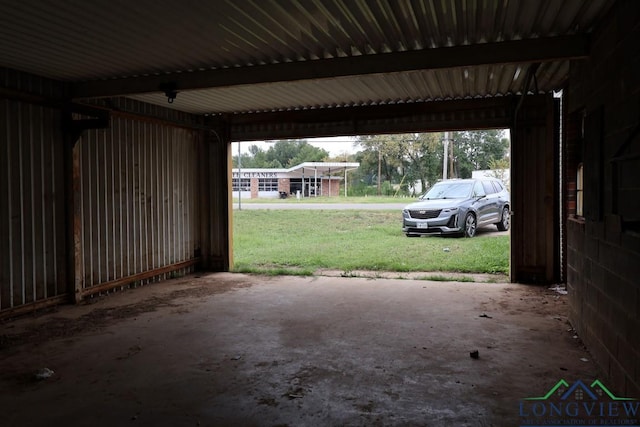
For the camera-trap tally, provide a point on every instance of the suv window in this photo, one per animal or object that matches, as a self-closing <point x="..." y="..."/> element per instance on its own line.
<point x="488" y="188"/>
<point x="478" y="190"/>
<point x="498" y="186"/>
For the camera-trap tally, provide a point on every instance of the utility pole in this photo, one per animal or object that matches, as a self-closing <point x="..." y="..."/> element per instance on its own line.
<point x="452" y="173"/>
<point x="445" y="156"/>
<point x="239" y="179"/>
<point x="346" y="159"/>
<point x="379" y="169"/>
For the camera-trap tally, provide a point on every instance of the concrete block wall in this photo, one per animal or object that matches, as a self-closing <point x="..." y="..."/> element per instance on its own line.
<point x="603" y="259"/>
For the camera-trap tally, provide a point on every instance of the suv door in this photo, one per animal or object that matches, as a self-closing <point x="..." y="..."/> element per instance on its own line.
<point x="480" y="204"/>
<point x="491" y="210"/>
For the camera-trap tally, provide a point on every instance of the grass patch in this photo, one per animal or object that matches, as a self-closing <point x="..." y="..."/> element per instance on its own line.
<point x="329" y="200"/>
<point x="272" y="270"/>
<point x="303" y="241"/>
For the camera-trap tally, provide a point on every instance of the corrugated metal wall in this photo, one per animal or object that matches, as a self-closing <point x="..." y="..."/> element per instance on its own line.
<point x="32" y="210"/>
<point x="133" y="197"/>
<point x="139" y="199"/>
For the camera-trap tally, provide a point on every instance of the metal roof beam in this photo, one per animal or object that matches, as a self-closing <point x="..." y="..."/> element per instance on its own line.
<point x="518" y="51"/>
<point x="480" y="113"/>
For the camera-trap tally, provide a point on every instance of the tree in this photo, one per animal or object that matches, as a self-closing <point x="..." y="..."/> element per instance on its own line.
<point x="283" y="154"/>
<point x="401" y="158"/>
<point x="500" y="170"/>
<point x="381" y="156"/>
<point x="474" y="150"/>
<point x="423" y="159"/>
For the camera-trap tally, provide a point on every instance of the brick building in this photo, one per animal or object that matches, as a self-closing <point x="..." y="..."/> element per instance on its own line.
<point x="310" y="179"/>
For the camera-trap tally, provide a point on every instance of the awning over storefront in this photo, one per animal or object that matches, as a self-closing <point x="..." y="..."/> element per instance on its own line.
<point x="305" y="170"/>
<point x="320" y="168"/>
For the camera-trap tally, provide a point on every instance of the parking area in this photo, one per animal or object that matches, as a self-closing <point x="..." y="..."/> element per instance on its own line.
<point x="231" y="349"/>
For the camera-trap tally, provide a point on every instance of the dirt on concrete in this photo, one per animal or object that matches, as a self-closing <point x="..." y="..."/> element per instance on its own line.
<point x="228" y="349"/>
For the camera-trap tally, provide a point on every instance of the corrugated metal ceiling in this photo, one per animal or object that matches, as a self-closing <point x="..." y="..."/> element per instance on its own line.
<point x="82" y="41"/>
<point x="391" y="88"/>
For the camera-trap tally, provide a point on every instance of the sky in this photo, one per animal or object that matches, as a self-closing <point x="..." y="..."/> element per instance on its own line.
<point x="335" y="145"/>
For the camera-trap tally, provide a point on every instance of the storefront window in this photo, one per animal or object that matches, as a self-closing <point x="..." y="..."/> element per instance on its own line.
<point x="268" y="184"/>
<point x="244" y="182"/>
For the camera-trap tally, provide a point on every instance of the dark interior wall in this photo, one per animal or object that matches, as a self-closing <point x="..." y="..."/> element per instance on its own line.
<point x="143" y="198"/>
<point x="604" y="243"/>
<point x="33" y="265"/>
<point x="32" y="209"/>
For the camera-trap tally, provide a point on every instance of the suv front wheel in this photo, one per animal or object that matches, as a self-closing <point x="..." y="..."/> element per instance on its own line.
<point x="470" y="225"/>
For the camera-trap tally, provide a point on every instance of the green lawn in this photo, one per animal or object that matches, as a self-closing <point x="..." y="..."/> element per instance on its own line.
<point x="333" y="199"/>
<point x="303" y="241"/>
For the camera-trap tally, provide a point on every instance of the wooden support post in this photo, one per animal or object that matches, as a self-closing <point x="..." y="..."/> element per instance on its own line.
<point x="215" y="200"/>
<point x="71" y="131"/>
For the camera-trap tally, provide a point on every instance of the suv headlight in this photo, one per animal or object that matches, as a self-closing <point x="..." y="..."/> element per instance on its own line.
<point x="450" y="210"/>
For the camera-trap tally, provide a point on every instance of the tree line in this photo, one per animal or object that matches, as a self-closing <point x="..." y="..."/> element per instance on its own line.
<point x="394" y="163"/>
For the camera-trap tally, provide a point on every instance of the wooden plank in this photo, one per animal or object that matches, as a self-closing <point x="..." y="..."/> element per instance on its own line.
<point x="535" y="222"/>
<point x="143" y="276"/>
<point x="75" y="221"/>
<point x="34" y="306"/>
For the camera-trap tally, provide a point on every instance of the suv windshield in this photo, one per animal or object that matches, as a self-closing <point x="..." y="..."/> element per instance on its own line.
<point x="449" y="190"/>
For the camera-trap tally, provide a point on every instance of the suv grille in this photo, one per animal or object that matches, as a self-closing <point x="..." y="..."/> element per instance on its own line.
<point x="424" y="213"/>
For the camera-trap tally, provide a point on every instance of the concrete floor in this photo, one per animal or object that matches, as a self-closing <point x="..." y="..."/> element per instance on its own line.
<point x="235" y="350"/>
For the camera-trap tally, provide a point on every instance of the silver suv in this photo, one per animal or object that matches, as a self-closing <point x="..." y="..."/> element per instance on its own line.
<point x="458" y="206"/>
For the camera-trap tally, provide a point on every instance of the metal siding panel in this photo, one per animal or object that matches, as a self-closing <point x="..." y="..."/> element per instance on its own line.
<point x="132" y="195"/>
<point x="130" y="189"/>
<point x="13" y="205"/>
<point x="5" y="192"/>
<point x="37" y="197"/>
<point x="30" y="183"/>
<point x="119" y="209"/>
<point x="148" y="201"/>
<point x="17" y="212"/>
<point x="111" y="215"/>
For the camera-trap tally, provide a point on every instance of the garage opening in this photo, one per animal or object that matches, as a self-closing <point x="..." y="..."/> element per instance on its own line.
<point x="336" y="204"/>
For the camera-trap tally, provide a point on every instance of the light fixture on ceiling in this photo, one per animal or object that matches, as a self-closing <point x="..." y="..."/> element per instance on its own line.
<point x="170" y="91"/>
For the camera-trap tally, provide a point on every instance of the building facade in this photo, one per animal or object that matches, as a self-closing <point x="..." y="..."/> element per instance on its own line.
<point x="309" y="179"/>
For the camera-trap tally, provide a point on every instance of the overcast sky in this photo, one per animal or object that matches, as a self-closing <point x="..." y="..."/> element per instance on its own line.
<point x="335" y="146"/>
